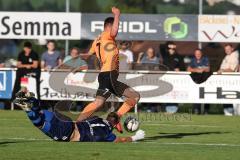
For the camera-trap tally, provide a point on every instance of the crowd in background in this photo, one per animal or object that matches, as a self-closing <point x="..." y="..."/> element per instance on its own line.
<point x="30" y="63"/>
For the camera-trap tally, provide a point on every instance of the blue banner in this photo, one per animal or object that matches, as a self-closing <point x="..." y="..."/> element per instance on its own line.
<point x="6" y="84"/>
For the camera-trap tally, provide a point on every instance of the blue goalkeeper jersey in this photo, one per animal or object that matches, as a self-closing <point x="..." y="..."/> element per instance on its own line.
<point x="95" y="129"/>
<point x="57" y="126"/>
<point x="60" y="128"/>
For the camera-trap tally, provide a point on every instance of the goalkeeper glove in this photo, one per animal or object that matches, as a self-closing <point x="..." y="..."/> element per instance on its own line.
<point x="140" y="134"/>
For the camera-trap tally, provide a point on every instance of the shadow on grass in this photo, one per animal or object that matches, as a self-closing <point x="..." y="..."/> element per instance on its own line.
<point x="6" y="143"/>
<point x="180" y="135"/>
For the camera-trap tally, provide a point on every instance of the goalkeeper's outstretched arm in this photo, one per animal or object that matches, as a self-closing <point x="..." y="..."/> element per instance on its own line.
<point x="140" y="134"/>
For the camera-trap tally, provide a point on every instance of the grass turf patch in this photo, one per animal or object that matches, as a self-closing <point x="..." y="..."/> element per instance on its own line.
<point x="198" y="137"/>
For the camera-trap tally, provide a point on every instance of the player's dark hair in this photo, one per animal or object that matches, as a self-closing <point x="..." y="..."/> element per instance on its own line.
<point x="27" y="44"/>
<point x="108" y="21"/>
<point x="113" y="118"/>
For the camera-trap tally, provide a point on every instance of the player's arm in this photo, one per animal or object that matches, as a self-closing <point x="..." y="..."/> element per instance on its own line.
<point x="123" y="139"/>
<point x="114" y="30"/>
<point x="140" y="134"/>
<point x="90" y="52"/>
<point x="79" y="69"/>
<point x="85" y="55"/>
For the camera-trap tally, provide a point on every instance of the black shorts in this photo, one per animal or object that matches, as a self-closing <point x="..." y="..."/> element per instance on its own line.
<point x="108" y="84"/>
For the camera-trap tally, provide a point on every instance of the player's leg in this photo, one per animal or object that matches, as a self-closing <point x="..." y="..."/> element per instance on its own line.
<point x="102" y="94"/>
<point x="121" y="89"/>
<point x="91" y="108"/>
<point x="132" y="98"/>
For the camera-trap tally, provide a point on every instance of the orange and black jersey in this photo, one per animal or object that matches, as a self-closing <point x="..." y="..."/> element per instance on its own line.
<point x="106" y="51"/>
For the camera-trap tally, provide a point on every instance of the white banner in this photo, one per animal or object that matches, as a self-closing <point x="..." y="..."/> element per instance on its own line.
<point x="158" y="87"/>
<point x="40" y="25"/>
<point x="219" y="28"/>
<point x="154" y="88"/>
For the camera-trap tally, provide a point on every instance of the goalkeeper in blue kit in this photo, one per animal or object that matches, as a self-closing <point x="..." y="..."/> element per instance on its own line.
<point x="61" y="128"/>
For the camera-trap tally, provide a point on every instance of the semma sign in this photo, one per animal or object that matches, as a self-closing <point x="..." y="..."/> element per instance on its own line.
<point x="39" y="25"/>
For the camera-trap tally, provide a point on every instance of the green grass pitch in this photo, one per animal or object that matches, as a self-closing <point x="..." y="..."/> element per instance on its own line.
<point x="171" y="137"/>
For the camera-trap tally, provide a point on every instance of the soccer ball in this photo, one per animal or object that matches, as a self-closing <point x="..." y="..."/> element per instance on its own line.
<point x="131" y="124"/>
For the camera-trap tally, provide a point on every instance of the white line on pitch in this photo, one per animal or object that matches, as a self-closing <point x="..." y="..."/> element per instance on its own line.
<point x="193" y="144"/>
<point x="10" y="119"/>
<point x="198" y="144"/>
<point x="27" y="139"/>
<point x="181" y="125"/>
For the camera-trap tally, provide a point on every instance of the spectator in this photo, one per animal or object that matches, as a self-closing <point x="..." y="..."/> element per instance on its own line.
<point x="74" y="61"/>
<point x="229" y="64"/>
<point x="27" y="63"/>
<point x="200" y="68"/>
<point x="51" y="58"/>
<point x="199" y="63"/>
<point x="174" y="62"/>
<point x="172" y="59"/>
<point x="148" y="58"/>
<point x="125" y="56"/>
<point x="230" y="61"/>
<point x="149" y="61"/>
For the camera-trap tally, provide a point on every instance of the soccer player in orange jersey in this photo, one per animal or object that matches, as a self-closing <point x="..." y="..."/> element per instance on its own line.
<point x="106" y="50"/>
